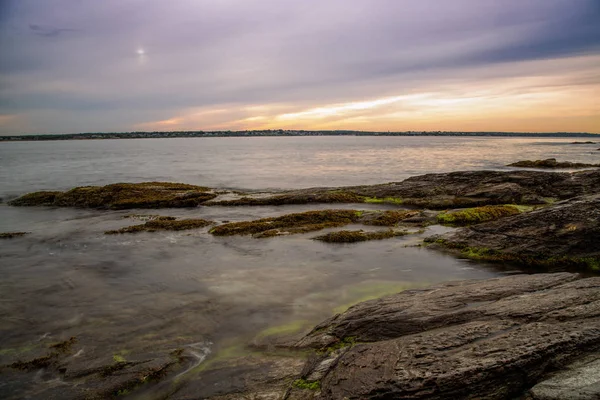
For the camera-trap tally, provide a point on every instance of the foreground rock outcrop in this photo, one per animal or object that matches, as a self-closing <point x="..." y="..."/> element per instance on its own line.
<point x="562" y="236"/>
<point x="491" y="339"/>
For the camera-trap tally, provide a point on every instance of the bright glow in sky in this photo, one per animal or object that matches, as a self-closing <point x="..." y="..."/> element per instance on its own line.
<point x="380" y="65"/>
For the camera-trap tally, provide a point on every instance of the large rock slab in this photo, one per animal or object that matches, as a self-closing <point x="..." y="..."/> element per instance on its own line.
<point x="491" y="339"/>
<point x="445" y="190"/>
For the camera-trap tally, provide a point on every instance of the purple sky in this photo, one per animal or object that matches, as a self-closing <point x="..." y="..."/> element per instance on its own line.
<point x="121" y="65"/>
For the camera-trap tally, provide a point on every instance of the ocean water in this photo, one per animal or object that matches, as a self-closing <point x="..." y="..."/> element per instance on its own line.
<point x="125" y="294"/>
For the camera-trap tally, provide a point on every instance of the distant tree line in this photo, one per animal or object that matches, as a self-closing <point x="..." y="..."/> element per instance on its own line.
<point x="277" y="132"/>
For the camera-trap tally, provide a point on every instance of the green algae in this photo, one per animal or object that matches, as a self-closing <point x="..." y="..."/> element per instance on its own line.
<point x="304" y="384"/>
<point x="384" y="200"/>
<point x="119" y="358"/>
<point x="355" y="294"/>
<point x="290" y="223"/>
<point x="477" y="215"/>
<point x="163" y="224"/>
<point x="343" y="343"/>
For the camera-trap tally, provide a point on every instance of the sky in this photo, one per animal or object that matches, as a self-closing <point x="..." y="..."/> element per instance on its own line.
<point x="69" y="66"/>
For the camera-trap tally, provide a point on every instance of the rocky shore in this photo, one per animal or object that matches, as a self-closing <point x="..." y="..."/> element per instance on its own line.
<point x="516" y="337"/>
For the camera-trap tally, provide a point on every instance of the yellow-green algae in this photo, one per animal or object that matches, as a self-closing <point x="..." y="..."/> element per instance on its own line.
<point x="354" y="294"/>
<point x="477" y="214"/>
<point x="384" y="200"/>
<point x="304" y="384"/>
<point x="163" y="224"/>
<point x="289" y="328"/>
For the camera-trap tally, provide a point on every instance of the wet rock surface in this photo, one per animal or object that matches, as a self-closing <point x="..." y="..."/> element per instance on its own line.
<point x="446" y="190"/>
<point x="564" y="235"/>
<point x="492" y="339"/>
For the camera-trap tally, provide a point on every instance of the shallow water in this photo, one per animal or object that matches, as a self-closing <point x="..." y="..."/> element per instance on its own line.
<point x="125" y="294"/>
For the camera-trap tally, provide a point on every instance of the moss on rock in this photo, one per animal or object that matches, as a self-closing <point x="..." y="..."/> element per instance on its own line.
<point x="477" y="215"/>
<point x="359" y="236"/>
<point x="121" y="196"/>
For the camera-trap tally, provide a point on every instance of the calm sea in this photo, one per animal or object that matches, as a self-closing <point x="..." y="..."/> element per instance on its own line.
<point x="129" y="294"/>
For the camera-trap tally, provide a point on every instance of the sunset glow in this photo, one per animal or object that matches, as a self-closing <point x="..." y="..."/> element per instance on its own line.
<point x="469" y="65"/>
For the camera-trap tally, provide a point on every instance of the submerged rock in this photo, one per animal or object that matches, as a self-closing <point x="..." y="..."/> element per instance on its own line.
<point x="359" y="236"/>
<point x="11" y="235"/>
<point x="291" y="223"/>
<point x="566" y="235"/>
<point x="551" y="163"/>
<point x="163" y="224"/>
<point x="121" y="196"/>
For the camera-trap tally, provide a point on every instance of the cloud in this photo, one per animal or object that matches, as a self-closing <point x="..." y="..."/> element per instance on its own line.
<point x="300" y="56"/>
<point x="48" y="31"/>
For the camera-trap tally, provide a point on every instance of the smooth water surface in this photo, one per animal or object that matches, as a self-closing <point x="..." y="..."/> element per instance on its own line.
<point x="264" y="162"/>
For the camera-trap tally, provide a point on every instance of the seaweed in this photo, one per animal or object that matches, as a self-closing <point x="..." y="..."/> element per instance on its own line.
<point x="291" y="223"/>
<point x="358" y="236"/>
<point x="65" y="345"/>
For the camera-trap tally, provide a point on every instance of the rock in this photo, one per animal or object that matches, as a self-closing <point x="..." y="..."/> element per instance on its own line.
<point x="578" y="381"/>
<point x="121" y="196"/>
<point x="447" y="190"/>
<point x="491" y="339"/>
<point x="551" y="163"/>
<point x="163" y="224"/>
<point x="564" y="235"/>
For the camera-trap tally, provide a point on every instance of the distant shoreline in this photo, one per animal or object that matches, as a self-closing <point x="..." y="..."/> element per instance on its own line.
<point x="278" y="133"/>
